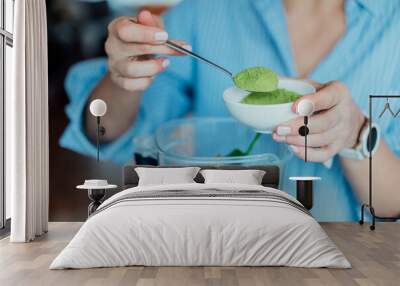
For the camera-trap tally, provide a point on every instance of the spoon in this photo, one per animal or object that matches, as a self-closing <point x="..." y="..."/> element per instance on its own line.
<point x="178" y="48"/>
<point x="254" y="79"/>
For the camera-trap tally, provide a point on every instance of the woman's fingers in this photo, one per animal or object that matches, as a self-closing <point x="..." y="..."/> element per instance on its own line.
<point x="146" y="18"/>
<point x="137" y="39"/>
<point x="325" y="116"/>
<point x="135" y="68"/>
<point x="125" y="50"/>
<point x="314" y="154"/>
<point x="328" y="96"/>
<point x="313" y="140"/>
<point x="335" y="124"/>
<point x="145" y="49"/>
<point x="317" y="123"/>
<point x="314" y="83"/>
<point x="130" y="45"/>
<point x="131" y="32"/>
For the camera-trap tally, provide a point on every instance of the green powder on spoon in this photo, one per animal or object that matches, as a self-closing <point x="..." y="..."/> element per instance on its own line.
<point x="257" y="79"/>
<point x="276" y="96"/>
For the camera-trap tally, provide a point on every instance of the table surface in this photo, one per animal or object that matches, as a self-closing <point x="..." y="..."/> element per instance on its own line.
<point x="304" y="178"/>
<point x="86" y="187"/>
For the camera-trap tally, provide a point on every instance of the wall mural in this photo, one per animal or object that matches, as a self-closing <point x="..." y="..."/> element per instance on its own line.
<point x="182" y="84"/>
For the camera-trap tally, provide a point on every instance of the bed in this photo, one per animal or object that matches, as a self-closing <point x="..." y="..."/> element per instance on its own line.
<point x="198" y="224"/>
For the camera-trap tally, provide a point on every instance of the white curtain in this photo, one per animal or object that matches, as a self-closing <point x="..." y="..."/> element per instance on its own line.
<point x="27" y="124"/>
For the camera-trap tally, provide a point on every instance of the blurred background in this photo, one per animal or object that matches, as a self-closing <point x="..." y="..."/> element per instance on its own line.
<point x="77" y="31"/>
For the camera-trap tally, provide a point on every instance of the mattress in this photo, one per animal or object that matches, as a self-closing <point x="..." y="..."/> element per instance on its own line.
<point x="201" y="225"/>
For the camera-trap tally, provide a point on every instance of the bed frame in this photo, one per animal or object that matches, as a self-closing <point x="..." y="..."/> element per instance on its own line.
<point x="271" y="178"/>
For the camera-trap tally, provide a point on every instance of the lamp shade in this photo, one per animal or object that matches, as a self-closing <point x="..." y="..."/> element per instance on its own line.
<point x="98" y="107"/>
<point x="305" y="107"/>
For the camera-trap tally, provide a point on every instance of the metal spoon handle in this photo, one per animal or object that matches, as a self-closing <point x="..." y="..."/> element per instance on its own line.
<point x="196" y="56"/>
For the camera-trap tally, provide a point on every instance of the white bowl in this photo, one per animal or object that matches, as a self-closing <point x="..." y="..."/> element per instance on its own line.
<point x="264" y="118"/>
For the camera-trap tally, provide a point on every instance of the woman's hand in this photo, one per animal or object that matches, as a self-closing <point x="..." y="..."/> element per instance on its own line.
<point x="130" y="47"/>
<point x="335" y="124"/>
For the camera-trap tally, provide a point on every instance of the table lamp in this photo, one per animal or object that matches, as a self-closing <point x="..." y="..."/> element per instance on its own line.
<point x="98" y="108"/>
<point x="305" y="108"/>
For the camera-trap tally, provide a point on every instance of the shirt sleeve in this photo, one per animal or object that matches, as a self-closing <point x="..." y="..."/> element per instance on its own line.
<point x="168" y="97"/>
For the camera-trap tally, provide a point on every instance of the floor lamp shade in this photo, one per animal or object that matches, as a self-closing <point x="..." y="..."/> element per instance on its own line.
<point x="98" y="107"/>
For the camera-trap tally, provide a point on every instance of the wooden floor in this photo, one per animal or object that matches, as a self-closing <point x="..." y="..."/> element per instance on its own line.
<point x="375" y="257"/>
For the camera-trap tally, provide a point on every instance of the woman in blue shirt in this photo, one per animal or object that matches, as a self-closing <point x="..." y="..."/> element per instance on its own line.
<point x="349" y="48"/>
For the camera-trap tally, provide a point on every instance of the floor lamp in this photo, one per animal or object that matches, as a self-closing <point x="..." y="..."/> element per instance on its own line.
<point x="369" y="206"/>
<point x="98" y="108"/>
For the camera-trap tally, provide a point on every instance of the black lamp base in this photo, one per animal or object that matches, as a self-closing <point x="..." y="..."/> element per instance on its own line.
<point x="374" y="217"/>
<point x="96" y="197"/>
<point x="304" y="193"/>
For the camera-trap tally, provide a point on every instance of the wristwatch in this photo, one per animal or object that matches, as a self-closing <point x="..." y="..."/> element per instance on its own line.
<point x="368" y="142"/>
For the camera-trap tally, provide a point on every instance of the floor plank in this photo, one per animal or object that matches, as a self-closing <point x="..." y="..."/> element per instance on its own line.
<point x="375" y="257"/>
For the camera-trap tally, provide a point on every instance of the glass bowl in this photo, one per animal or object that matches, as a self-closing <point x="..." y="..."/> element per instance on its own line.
<point x="207" y="141"/>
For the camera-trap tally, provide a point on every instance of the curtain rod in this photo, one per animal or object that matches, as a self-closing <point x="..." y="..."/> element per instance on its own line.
<point x="384" y="96"/>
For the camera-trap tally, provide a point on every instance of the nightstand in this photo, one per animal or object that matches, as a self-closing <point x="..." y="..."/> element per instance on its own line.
<point x="304" y="190"/>
<point x="96" y="193"/>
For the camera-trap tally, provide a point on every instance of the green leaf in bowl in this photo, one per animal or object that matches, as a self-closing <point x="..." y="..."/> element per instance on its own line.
<point x="237" y="152"/>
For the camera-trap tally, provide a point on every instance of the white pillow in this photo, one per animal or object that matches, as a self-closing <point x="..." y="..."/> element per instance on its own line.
<point x="165" y="176"/>
<point x="247" y="177"/>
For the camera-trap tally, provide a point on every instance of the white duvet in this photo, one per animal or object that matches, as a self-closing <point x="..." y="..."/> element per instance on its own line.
<point x="200" y="231"/>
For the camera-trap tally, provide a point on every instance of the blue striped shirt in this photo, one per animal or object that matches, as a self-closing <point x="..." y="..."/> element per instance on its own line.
<point x="244" y="33"/>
